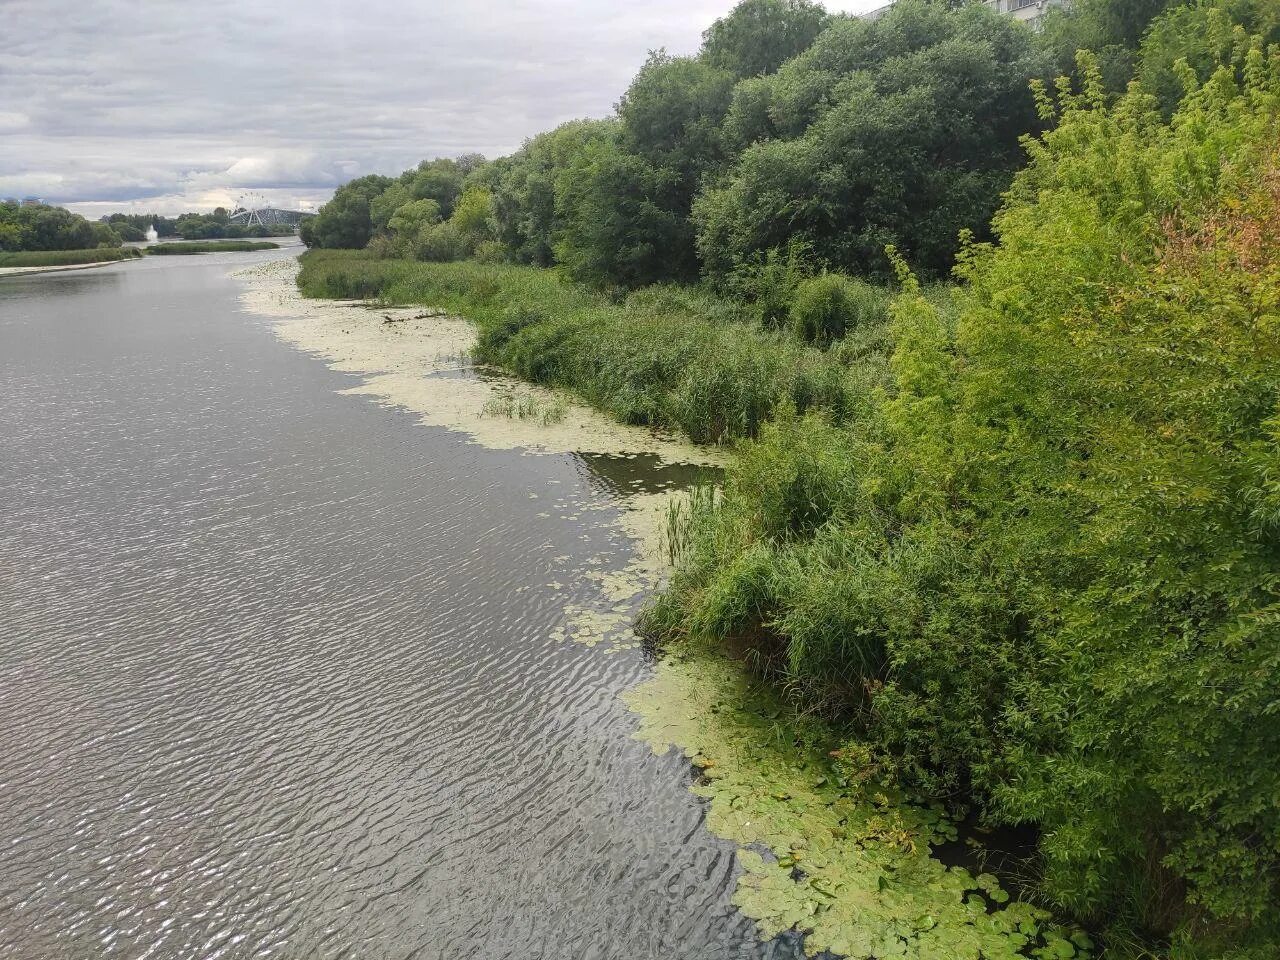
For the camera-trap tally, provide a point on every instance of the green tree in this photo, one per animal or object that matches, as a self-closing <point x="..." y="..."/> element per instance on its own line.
<point x="407" y="224"/>
<point x="758" y="36"/>
<point x="643" y="182"/>
<point x="345" y="221"/>
<point x="622" y="220"/>
<point x="524" y="187"/>
<point x="439" y="180"/>
<point x="1201" y="35"/>
<point x="905" y="130"/>
<point x="473" y="215"/>
<point x="384" y="205"/>
<point x="1112" y="29"/>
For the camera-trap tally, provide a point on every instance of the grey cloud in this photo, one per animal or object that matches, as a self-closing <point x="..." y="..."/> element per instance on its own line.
<point x="136" y="102"/>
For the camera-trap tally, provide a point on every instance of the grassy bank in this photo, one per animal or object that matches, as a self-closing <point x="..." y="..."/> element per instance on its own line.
<point x="65" y="258"/>
<point x="211" y="246"/>
<point x="666" y="357"/>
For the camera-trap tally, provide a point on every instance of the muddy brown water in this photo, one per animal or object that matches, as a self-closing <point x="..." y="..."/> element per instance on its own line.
<point x="277" y="675"/>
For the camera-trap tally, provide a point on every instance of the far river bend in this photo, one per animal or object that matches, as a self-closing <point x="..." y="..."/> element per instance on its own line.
<point x="279" y="672"/>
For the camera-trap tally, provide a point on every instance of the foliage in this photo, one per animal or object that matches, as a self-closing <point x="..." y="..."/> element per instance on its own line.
<point x="440" y="180"/>
<point x="1111" y="29"/>
<point x="440" y="242"/>
<point x="827" y="306"/>
<point x="59" y="258"/>
<point x="41" y="227"/>
<point x="621" y="227"/>
<point x="209" y="246"/>
<point x="384" y="206"/>
<point x="675" y="359"/>
<point x="473" y="215"/>
<point x="525" y="185"/>
<point x="133" y="227"/>
<point x="218" y="225"/>
<point x="759" y="36"/>
<point x="409" y="221"/>
<point x="1039" y="569"/>
<point x="346" y="220"/>
<point x="903" y="130"/>
<point x="1200" y="36"/>
<point x="626" y="200"/>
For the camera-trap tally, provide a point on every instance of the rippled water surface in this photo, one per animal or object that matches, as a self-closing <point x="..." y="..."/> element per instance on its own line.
<point x="276" y="667"/>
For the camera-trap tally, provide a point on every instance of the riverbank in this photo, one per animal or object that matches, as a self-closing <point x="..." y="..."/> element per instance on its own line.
<point x="670" y="358"/>
<point x="823" y="849"/>
<point x="420" y="360"/>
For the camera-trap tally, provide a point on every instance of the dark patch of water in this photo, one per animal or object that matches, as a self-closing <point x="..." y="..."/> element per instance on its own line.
<point x="627" y="474"/>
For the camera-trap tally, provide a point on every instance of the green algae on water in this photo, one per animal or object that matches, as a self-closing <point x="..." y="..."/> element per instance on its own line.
<point x="847" y="864"/>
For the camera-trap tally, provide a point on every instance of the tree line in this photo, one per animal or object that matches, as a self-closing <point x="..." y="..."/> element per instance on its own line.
<point x="43" y="227"/>
<point x="791" y="135"/>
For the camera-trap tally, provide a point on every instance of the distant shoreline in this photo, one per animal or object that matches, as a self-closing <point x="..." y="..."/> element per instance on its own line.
<point x="19" y="271"/>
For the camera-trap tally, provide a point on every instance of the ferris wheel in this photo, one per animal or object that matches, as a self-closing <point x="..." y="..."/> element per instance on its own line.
<point x="252" y="210"/>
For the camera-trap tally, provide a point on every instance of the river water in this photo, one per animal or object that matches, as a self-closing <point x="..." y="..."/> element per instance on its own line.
<point x="279" y="667"/>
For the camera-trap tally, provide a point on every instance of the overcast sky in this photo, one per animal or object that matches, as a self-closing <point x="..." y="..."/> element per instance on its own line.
<point x="170" y="105"/>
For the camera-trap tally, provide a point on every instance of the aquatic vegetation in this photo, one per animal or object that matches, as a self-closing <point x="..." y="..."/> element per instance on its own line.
<point x="210" y="246"/>
<point x="525" y="406"/>
<point x="681" y="514"/>
<point x="825" y="850"/>
<point x="61" y="258"/>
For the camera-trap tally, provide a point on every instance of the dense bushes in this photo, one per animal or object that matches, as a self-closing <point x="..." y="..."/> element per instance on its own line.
<point x="1041" y="570"/>
<point x="663" y="357"/>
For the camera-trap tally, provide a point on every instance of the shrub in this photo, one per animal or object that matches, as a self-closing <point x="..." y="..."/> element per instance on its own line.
<point x="768" y="282"/>
<point x="440" y="243"/>
<point x="828" y="306"/>
<point x="489" y="251"/>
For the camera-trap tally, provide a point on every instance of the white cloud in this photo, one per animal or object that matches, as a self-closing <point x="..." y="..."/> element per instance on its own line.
<point x="12" y="121"/>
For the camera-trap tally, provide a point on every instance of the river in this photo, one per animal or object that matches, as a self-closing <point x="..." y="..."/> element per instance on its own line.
<point x="282" y="670"/>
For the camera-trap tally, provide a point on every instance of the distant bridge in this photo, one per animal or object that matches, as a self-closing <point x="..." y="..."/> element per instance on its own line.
<point x="268" y="217"/>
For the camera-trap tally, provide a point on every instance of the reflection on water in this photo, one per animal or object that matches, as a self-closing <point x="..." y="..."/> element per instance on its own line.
<point x="276" y="675"/>
<point x="622" y="475"/>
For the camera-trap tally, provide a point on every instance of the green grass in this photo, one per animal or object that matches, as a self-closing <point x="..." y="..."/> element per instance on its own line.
<point x="65" y="258"/>
<point x="211" y="246"/>
<point x="672" y="358"/>
<point x="527" y="407"/>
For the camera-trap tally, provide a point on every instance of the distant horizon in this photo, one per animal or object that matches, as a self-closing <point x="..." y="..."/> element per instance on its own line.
<point x="291" y="105"/>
